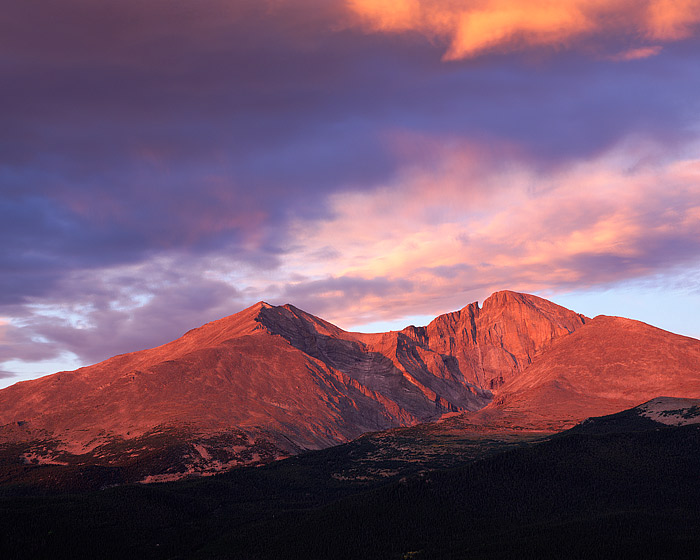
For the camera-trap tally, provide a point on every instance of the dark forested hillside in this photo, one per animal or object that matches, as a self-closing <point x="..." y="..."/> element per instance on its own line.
<point x="621" y="495"/>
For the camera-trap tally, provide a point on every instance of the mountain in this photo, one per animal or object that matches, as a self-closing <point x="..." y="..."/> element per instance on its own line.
<point x="272" y="381"/>
<point x="473" y="484"/>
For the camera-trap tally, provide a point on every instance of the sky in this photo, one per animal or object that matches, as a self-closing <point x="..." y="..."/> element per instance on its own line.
<point x="165" y="163"/>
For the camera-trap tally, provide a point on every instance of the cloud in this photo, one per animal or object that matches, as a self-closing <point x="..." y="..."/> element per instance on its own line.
<point x="672" y="20"/>
<point x="472" y="28"/>
<point x="95" y="314"/>
<point x="164" y="166"/>
<point x="445" y="231"/>
<point x="636" y="54"/>
<point x="350" y="300"/>
<point x="473" y="225"/>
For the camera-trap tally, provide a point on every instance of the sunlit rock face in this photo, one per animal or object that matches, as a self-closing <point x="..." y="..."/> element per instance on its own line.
<point x="496" y="342"/>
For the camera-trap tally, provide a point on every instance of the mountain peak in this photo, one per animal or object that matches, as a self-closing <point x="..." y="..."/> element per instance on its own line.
<point x="504" y="297"/>
<point x="494" y="343"/>
<point x="508" y="298"/>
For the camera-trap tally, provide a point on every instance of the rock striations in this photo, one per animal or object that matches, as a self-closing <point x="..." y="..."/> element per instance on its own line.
<point x="272" y="381"/>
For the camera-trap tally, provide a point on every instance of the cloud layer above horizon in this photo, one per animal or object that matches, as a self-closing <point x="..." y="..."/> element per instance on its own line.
<point x="168" y="163"/>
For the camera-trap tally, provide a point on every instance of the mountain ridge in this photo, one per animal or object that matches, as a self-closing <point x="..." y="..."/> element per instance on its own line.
<point x="275" y="380"/>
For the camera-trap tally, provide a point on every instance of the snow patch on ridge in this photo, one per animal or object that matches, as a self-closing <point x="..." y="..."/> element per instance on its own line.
<point x="672" y="411"/>
<point x="34" y="458"/>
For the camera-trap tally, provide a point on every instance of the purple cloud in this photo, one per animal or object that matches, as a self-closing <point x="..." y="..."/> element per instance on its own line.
<point x="176" y="152"/>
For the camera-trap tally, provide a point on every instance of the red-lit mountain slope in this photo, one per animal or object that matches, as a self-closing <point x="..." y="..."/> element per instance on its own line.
<point x="275" y="380"/>
<point x="608" y="365"/>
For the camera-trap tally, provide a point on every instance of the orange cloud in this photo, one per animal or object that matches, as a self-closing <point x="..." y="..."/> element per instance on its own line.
<point x="539" y="23"/>
<point x="671" y="20"/>
<point x="470" y="28"/>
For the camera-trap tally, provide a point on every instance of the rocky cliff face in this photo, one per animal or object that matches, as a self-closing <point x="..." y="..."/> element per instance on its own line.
<point x="456" y="362"/>
<point x="494" y="343"/>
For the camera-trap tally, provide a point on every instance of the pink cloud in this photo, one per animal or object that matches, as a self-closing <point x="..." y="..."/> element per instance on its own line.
<point x="436" y="237"/>
<point x="636" y="54"/>
<point x="468" y="226"/>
